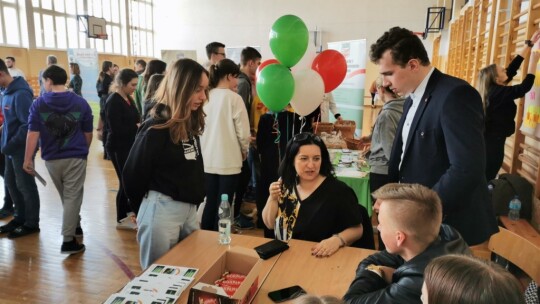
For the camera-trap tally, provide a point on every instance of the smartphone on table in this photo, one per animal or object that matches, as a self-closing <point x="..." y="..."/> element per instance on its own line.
<point x="285" y="294"/>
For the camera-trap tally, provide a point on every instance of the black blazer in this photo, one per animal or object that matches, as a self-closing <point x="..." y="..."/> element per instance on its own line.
<point x="445" y="151"/>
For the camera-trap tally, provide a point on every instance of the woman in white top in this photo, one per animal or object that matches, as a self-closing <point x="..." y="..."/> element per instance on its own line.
<point x="225" y="140"/>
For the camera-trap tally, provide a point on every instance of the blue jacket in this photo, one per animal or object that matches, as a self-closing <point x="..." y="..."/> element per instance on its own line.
<point x="15" y="107"/>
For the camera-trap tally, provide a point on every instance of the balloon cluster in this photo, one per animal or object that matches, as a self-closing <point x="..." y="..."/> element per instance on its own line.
<point x="304" y="87"/>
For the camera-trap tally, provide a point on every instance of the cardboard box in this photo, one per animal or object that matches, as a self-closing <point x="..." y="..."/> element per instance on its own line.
<point x="236" y="260"/>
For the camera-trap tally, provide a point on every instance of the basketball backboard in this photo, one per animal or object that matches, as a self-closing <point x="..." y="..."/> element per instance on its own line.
<point x="93" y="26"/>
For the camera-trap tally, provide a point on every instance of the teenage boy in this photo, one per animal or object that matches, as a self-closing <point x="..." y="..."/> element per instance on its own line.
<point x="410" y="217"/>
<point x="22" y="186"/>
<point x="62" y="121"/>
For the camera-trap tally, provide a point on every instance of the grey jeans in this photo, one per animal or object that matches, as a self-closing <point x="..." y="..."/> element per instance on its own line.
<point x="68" y="175"/>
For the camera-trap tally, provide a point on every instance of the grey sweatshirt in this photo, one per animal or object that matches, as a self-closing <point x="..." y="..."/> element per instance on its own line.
<point x="382" y="137"/>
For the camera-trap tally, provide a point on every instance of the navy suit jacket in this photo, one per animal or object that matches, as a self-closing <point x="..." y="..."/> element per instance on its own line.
<point x="445" y="151"/>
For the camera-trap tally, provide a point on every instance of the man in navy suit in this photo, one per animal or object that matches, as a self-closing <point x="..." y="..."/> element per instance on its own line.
<point x="439" y="141"/>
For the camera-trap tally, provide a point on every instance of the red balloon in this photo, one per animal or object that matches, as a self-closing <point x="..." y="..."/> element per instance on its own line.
<point x="266" y="63"/>
<point x="332" y="67"/>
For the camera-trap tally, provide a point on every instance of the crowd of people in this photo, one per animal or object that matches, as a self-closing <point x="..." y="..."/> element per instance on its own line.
<point x="186" y="133"/>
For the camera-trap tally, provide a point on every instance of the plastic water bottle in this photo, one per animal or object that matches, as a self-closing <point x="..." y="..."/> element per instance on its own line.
<point x="224" y="223"/>
<point x="515" y="207"/>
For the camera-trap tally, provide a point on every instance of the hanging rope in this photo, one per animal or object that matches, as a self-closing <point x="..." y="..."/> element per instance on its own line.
<point x="303" y="119"/>
<point x="275" y="127"/>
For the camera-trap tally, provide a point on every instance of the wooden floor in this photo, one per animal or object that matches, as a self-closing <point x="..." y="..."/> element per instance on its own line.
<point x="32" y="269"/>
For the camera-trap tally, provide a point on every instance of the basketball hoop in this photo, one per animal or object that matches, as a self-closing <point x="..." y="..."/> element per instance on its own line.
<point x="102" y="36"/>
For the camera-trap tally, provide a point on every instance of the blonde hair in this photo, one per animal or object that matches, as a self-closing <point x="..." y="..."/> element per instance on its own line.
<point x="312" y="299"/>
<point x="415" y="209"/>
<point x="487" y="78"/>
<point x="181" y="81"/>
<point x="379" y="84"/>
<point x="460" y="279"/>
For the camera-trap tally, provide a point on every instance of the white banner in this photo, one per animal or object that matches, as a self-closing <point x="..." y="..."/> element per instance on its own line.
<point x="349" y="96"/>
<point x="90" y="67"/>
<point x="170" y="56"/>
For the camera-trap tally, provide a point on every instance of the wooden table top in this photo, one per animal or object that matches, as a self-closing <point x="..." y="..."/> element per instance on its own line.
<point x="320" y="276"/>
<point x="201" y="249"/>
<point x="523" y="228"/>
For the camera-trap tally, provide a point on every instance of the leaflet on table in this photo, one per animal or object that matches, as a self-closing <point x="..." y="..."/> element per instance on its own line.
<point x="120" y="298"/>
<point x="170" y="272"/>
<point x="158" y="284"/>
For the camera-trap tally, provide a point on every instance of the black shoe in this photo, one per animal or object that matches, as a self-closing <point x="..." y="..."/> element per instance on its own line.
<point x="5" y="213"/>
<point x="72" y="247"/>
<point x="78" y="232"/>
<point x="9" y="227"/>
<point x="22" y="231"/>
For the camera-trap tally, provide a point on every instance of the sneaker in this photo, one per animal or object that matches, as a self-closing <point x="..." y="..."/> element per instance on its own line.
<point x="22" y="231"/>
<point x="72" y="247"/>
<point x="9" y="227"/>
<point x="126" y="224"/>
<point x="243" y="222"/>
<point x="78" y="232"/>
<point x="5" y="213"/>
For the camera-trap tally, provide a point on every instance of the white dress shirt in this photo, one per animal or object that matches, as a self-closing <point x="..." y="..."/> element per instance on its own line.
<point x="416" y="97"/>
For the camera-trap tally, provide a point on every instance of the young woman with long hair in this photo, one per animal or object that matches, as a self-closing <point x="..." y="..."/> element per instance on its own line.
<point x="164" y="173"/>
<point x="499" y="105"/>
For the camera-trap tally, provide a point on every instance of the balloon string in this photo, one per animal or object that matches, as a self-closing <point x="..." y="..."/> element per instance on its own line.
<point x="303" y="118"/>
<point x="275" y="126"/>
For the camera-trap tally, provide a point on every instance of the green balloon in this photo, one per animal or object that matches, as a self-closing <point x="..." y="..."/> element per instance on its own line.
<point x="275" y="86"/>
<point x="289" y="39"/>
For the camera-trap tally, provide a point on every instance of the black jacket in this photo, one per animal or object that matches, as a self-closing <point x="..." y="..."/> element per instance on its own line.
<point x="501" y="108"/>
<point x="121" y="119"/>
<point x="445" y="151"/>
<point x="406" y="287"/>
<point x="156" y="163"/>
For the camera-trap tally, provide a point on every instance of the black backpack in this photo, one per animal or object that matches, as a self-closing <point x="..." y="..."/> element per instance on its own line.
<point x="505" y="188"/>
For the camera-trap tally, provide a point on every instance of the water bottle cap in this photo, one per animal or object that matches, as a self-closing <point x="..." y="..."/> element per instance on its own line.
<point x="516" y="196"/>
<point x="224" y="197"/>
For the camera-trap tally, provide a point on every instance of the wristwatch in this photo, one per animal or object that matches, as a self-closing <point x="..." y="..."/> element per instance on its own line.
<point x="375" y="268"/>
<point x="529" y="43"/>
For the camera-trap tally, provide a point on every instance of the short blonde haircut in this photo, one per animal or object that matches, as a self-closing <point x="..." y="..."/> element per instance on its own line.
<point x="415" y="209"/>
<point x="312" y="299"/>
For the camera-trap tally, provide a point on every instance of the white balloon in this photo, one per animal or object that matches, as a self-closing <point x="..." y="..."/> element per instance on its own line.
<point x="308" y="91"/>
<point x="307" y="60"/>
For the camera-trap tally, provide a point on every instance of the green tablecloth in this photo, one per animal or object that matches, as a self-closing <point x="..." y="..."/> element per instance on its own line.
<point x="357" y="180"/>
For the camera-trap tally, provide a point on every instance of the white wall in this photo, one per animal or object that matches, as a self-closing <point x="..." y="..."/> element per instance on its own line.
<point x="194" y="23"/>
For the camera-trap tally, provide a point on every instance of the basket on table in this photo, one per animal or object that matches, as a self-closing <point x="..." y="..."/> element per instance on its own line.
<point x="319" y="127"/>
<point x="346" y="127"/>
<point x="354" y="144"/>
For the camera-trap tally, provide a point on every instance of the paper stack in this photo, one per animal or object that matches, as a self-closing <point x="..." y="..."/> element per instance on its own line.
<point x="159" y="284"/>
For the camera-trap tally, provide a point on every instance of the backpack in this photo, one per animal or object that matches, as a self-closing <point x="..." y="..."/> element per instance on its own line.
<point x="505" y="188"/>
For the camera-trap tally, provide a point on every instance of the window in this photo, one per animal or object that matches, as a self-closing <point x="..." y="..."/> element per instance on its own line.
<point x="56" y="25"/>
<point x="141" y="29"/>
<point x="10" y="22"/>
